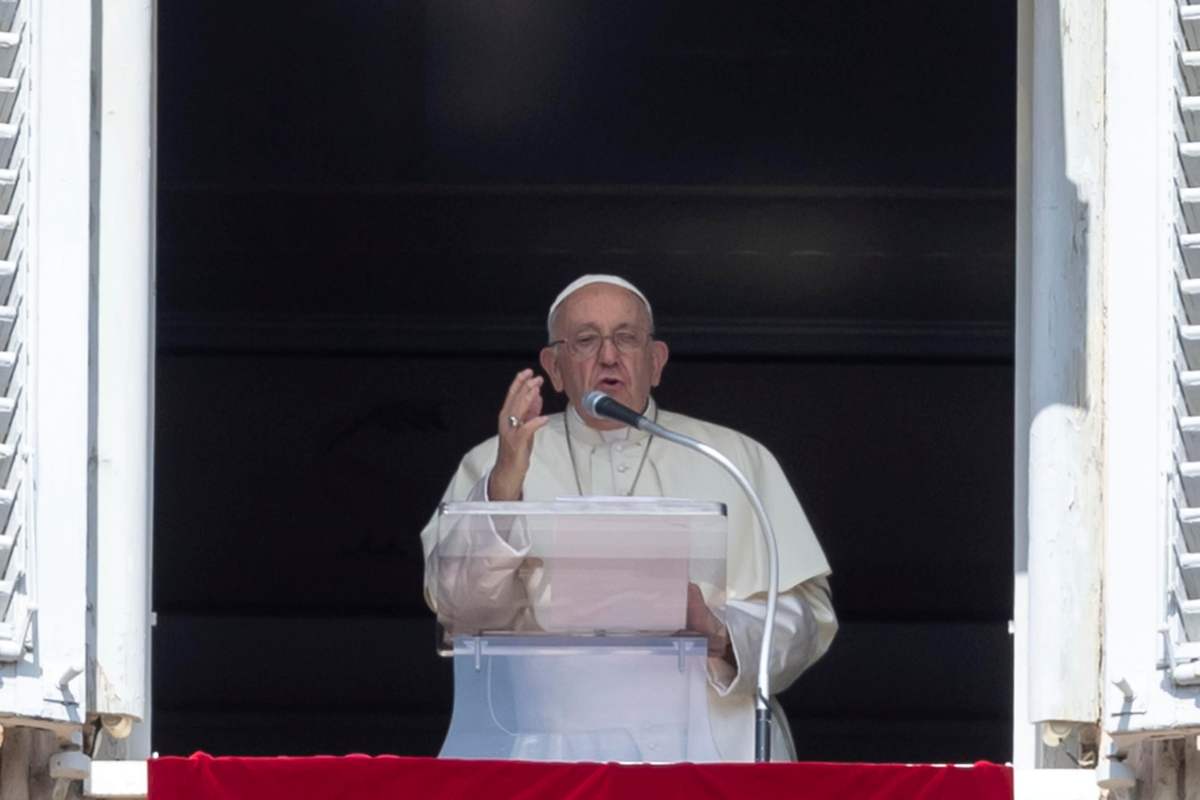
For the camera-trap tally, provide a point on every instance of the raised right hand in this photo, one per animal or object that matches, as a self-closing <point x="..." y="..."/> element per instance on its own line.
<point x="524" y="403"/>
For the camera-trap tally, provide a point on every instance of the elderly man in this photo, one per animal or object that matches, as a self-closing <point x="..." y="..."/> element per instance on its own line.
<point x="601" y="336"/>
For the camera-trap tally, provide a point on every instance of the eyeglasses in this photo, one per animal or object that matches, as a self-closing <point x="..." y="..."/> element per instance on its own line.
<point x="586" y="344"/>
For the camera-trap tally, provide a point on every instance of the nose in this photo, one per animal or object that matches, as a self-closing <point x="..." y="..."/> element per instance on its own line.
<point x="608" y="351"/>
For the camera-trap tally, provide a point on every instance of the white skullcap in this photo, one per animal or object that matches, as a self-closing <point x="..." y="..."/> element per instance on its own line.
<point x="588" y="280"/>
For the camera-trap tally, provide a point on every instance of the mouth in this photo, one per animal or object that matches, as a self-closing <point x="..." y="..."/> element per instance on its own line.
<point x="609" y="385"/>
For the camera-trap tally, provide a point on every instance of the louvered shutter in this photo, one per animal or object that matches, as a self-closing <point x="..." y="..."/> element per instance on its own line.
<point x="15" y="600"/>
<point x="45" y="241"/>
<point x="1183" y="624"/>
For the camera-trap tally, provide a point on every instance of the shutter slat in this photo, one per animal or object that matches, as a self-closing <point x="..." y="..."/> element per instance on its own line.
<point x="16" y="456"/>
<point x="1183" y="623"/>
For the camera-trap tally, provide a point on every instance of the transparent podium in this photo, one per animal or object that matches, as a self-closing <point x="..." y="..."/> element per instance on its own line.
<point x="567" y="624"/>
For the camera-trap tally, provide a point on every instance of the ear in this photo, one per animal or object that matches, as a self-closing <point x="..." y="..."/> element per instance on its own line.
<point x="659" y="352"/>
<point x="549" y="361"/>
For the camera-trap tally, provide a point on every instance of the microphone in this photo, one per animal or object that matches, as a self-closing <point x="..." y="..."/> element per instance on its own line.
<point x="598" y="404"/>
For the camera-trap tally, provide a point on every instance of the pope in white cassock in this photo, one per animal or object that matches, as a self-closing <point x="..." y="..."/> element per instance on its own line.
<point x="601" y="331"/>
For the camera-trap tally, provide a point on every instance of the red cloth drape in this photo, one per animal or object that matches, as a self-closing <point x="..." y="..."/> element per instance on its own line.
<point x="203" y="777"/>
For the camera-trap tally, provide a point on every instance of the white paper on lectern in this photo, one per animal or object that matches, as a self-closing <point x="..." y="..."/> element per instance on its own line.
<point x="577" y="566"/>
<point x="632" y="577"/>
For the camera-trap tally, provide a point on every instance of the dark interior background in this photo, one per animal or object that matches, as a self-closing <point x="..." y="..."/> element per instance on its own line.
<point x="364" y="210"/>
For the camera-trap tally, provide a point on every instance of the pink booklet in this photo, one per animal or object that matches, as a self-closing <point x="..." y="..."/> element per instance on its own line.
<point x="618" y="574"/>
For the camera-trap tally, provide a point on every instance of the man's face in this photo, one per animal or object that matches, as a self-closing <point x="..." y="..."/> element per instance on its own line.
<point x="602" y="310"/>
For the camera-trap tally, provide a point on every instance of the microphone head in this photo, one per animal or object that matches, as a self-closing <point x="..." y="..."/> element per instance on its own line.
<point x="601" y="406"/>
<point x="591" y="400"/>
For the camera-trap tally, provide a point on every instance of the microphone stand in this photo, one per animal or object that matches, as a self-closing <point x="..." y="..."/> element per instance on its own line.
<point x="762" y="694"/>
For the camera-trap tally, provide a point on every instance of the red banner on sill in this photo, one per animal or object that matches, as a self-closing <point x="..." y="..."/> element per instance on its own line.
<point x="202" y="777"/>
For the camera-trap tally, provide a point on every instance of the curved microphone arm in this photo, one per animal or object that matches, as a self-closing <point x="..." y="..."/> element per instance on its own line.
<point x="762" y="692"/>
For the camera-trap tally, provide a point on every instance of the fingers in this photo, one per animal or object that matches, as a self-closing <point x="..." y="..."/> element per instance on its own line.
<point x="524" y="397"/>
<point x="514" y="390"/>
<point x="534" y="407"/>
<point x="533" y="425"/>
<point x="523" y="406"/>
<point x="519" y="381"/>
<point x="521" y="437"/>
<point x="528" y="400"/>
<point x="700" y="617"/>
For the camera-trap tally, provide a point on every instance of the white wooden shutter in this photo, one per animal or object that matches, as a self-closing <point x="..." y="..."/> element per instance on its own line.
<point x="1183" y="568"/>
<point x="16" y="606"/>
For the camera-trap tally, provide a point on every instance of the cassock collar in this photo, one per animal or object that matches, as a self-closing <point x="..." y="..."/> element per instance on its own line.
<point x="588" y="436"/>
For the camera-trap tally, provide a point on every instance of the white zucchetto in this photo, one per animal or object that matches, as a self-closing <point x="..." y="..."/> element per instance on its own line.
<point x="588" y="280"/>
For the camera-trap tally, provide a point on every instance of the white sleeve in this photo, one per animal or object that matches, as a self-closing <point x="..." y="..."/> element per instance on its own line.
<point x="804" y="627"/>
<point x="471" y="574"/>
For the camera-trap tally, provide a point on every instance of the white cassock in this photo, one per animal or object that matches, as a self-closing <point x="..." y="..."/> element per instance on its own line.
<point x="607" y="463"/>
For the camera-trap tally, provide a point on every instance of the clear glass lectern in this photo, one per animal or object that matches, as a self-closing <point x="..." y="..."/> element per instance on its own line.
<point x="567" y="623"/>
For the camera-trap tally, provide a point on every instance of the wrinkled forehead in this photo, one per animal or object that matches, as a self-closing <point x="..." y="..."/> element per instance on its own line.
<point x="601" y="306"/>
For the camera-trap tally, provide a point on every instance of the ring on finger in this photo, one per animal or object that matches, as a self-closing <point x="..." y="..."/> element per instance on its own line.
<point x="514" y="422"/>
